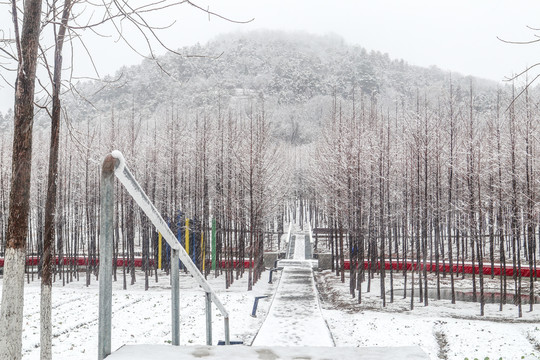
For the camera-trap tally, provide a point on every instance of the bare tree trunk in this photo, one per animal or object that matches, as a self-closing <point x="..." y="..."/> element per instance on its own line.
<point x="50" y="203"/>
<point x="529" y="217"/>
<point x="516" y="248"/>
<point x="11" y="314"/>
<point x="382" y="221"/>
<point x="425" y="205"/>
<point x="470" y="177"/>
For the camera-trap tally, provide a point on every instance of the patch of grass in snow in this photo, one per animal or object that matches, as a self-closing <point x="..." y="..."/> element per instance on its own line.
<point x="442" y="341"/>
<point x="533" y="340"/>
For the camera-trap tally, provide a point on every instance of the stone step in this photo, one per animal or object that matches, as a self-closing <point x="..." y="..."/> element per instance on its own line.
<point x="169" y="352"/>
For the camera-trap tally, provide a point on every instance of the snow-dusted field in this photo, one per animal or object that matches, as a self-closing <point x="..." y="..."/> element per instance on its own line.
<point x="140" y="316"/>
<point x="442" y="330"/>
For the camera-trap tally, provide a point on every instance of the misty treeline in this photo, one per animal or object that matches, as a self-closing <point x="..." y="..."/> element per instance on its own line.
<point x="447" y="176"/>
<point x="219" y="164"/>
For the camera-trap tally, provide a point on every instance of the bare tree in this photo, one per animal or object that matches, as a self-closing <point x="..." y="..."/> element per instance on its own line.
<point x="50" y="204"/>
<point x="11" y="314"/>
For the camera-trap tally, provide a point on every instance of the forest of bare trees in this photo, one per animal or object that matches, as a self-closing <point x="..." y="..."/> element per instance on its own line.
<point x="222" y="166"/>
<point x="32" y="46"/>
<point x="442" y="175"/>
<point x="447" y="177"/>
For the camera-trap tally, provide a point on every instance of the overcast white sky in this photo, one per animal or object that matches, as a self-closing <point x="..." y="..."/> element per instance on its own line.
<point x="458" y="35"/>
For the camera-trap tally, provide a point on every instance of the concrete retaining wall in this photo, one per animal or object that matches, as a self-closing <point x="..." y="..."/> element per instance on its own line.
<point x="325" y="261"/>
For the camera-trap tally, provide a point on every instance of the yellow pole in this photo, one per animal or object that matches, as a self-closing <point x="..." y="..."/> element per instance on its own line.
<point x="187" y="236"/>
<point x="159" y="251"/>
<point x="202" y="248"/>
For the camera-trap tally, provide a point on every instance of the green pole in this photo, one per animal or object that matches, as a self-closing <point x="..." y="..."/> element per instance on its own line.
<point x="213" y="244"/>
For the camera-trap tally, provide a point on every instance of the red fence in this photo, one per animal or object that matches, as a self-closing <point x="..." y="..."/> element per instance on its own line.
<point x="396" y="265"/>
<point x="467" y="269"/>
<point x="83" y="261"/>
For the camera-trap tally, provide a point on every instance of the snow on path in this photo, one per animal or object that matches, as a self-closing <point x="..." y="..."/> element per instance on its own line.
<point x="164" y="352"/>
<point x="300" y="247"/>
<point x="295" y="317"/>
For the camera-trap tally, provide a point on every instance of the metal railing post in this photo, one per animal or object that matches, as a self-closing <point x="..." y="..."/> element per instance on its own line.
<point x="227" y="333"/>
<point x="105" y="257"/>
<point x="175" y="297"/>
<point x="255" y="303"/>
<point x="208" y="297"/>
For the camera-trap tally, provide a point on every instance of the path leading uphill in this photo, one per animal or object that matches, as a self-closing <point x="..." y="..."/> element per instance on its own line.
<point x="295" y="317"/>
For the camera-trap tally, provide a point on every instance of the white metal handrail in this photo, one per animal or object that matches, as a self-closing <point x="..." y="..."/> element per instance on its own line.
<point x="115" y="163"/>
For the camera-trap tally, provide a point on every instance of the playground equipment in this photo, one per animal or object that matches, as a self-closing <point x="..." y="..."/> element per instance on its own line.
<point x="114" y="164"/>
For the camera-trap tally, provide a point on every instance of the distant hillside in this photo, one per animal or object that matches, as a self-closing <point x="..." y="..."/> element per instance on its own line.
<point x="292" y="71"/>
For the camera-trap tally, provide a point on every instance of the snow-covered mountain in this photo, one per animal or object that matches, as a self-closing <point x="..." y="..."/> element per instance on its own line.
<point x="297" y="74"/>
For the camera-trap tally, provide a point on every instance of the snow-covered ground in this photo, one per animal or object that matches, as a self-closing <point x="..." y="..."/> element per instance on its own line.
<point x="442" y="330"/>
<point x="140" y="316"/>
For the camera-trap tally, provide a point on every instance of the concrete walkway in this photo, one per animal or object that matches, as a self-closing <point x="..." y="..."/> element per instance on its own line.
<point x="295" y="317"/>
<point x="293" y="329"/>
